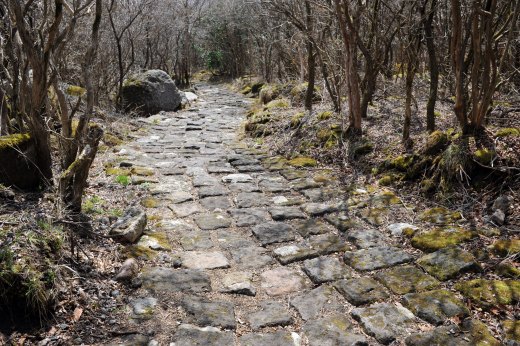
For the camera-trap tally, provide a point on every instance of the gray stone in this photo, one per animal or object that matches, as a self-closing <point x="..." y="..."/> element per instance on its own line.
<point x="212" y="191"/>
<point x="310" y="227"/>
<point x="238" y="283"/>
<point x="397" y="229"/>
<point x="278" y="338"/>
<point x="498" y="217"/>
<point x="250" y="169"/>
<point x="252" y="199"/>
<point x="150" y="92"/>
<point x="213" y="203"/>
<point x="204" y="260"/>
<point x="176" y="280"/>
<point x="271" y="314"/>
<point x="130" y="226"/>
<point x="204" y="180"/>
<point x="248" y="217"/>
<point x="384" y="321"/>
<point x="212" y="221"/>
<point x="406" y="279"/>
<point x="325" y="269"/>
<point x="233" y="240"/>
<point x="361" y="291"/>
<point x="448" y="263"/>
<point x="367" y="238"/>
<point x="189" y="335"/>
<point x="286" y="213"/>
<point x="311" y="304"/>
<point x="128" y="270"/>
<point x="143" y="308"/>
<point x="243" y="187"/>
<point x="186" y="209"/>
<point x="203" y="312"/>
<point x="333" y="330"/>
<point x="237" y="178"/>
<point x="304" y="184"/>
<point x="220" y="169"/>
<point x="180" y="197"/>
<point x="280" y="281"/>
<point x="251" y="257"/>
<point x="273" y="186"/>
<point x="273" y="232"/>
<point x="342" y="221"/>
<point x="319" y="209"/>
<point x="195" y="240"/>
<point x="441" y="336"/>
<point x="293" y="174"/>
<point x="435" y="306"/>
<point x="376" y="258"/>
<point x="245" y="161"/>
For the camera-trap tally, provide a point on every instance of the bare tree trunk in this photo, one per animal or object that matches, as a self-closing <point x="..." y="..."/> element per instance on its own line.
<point x="433" y="63"/>
<point x="311" y="61"/>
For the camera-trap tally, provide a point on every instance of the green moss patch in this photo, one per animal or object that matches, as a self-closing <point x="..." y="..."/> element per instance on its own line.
<point x="277" y="104"/>
<point x="506" y="247"/>
<point x="440" y="216"/>
<point x="507" y="132"/>
<point x="511" y="329"/>
<point x="13" y="141"/>
<point x="484" y="156"/>
<point x="297" y="119"/>
<point x="325" y="115"/>
<point x="142" y="171"/>
<point x="440" y="238"/>
<point x="491" y="293"/>
<point x="303" y="162"/>
<point x="436" y="142"/>
<point x="406" y="279"/>
<point x="508" y="270"/>
<point x="150" y="202"/>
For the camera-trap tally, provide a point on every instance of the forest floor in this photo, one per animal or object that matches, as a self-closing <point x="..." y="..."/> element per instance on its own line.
<point x="245" y="247"/>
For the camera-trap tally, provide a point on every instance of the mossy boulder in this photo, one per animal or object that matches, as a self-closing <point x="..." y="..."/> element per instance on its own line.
<point x="17" y="157"/>
<point x="440" y="216"/>
<point x="508" y="132"/>
<point x="325" y="115"/>
<point x="150" y="92"/>
<point x="512" y="331"/>
<point x="440" y="238"/>
<point x="508" y="270"/>
<point x="299" y="92"/>
<point x="491" y="293"/>
<point x="269" y="92"/>
<point x="437" y="141"/>
<point x="361" y="147"/>
<point x="386" y="180"/>
<point x="506" y="247"/>
<point x="484" y="156"/>
<point x="278" y="103"/>
<point x="303" y="162"/>
<point x="297" y="119"/>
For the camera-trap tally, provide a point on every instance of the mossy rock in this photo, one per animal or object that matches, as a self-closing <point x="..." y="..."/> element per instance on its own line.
<point x="491" y="293"/>
<point x="374" y="216"/>
<point x="117" y="171"/>
<point x="402" y="162"/>
<point x="299" y="92"/>
<point x="440" y="216"/>
<point x="362" y="147"/>
<point x="269" y="92"/>
<point x="506" y="247"/>
<point x="384" y="199"/>
<point x="142" y="171"/>
<point x="485" y="156"/>
<point x="150" y="202"/>
<point x="111" y="140"/>
<point x="437" y="141"/>
<point x="479" y="333"/>
<point x="297" y="119"/>
<point x="246" y="90"/>
<point x="508" y="132"/>
<point x="440" y="238"/>
<point x="512" y="330"/>
<point x="17" y="157"/>
<point x="303" y="162"/>
<point x="508" y="270"/>
<point x="76" y="91"/>
<point x="325" y="115"/>
<point x="278" y="104"/>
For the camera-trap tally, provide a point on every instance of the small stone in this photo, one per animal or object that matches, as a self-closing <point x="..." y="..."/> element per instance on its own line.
<point x="176" y="280"/>
<point x="274" y="186"/>
<point x="243" y="187"/>
<point x="361" y="291"/>
<point x="250" y="200"/>
<point x="204" y="260"/>
<point x="189" y="335"/>
<point x="286" y="213"/>
<point x="143" y="308"/>
<point x="212" y="221"/>
<point x="305" y="184"/>
<point x="248" y="217"/>
<point x="376" y="258"/>
<point x="278" y="338"/>
<point x="128" y="270"/>
<point x="332" y="330"/>
<point x="367" y="238"/>
<point x="384" y="321"/>
<point x="209" y="313"/>
<point x="250" y="168"/>
<point x="400" y="229"/>
<point x="502" y="203"/>
<point x="237" y="178"/>
<point x="312" y="303"/>
<point x="282" y="281"/>
<point x="498" y="217"/>
<point x="220" y="169"/>
<point x="448" y="263"/>
<point x="325" y="269"/>
<point x="406" y="279"/>
<point x="435" y="306"/>
<point x="271" y="314"/>
<point x="342" y="221"/>
<point x="292" y="174"/>
<point x="239" y="283"/>
<point x="130" y="226"/>
<point x="273" y="232"/>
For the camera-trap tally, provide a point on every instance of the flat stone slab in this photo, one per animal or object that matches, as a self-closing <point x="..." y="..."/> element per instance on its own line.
<point x="342" y="221"/>
<point x="406" y="279"/>
<point x="311" y="304"/>
<point x="176" y="280"/>
<point x="203" y="312"/>
<point x="250" y="168"/>
<point x="384" y="321"/>
<point x="472" y="332"/>
<point x="286" y="213"/>
<point x="315" y="246"/>
<point x="233" y="240"/>
<point x="325" y="269"/>
<point x="212" y="191"/>
<point x="190" y="335"/>
<point x="195" y="240"/>
<point x="282" y="280"/>
<point x="248" y="217"/>
<point x="319" y="209"/>
<point x="310" y="227"/>
<point x="361" y="291"/>
<point x="212" y="221"/>
<point x="204" y="180"/>
<point x="274" y="186"/>
<point x="204" y="260"/>
<point x="238" y="283"/>
<point x="243" y="187"/>
<point x="237" y="178"/>
<point x="251" y="257"/>
<point x="220" y="169"/>
<point x="448" y="263"/>
<point x="180" y="197"/>
<point x="143" y="308"/>
<point x="186" y="209"/>
<point x="273" y="232"/>
<point x="435" y="306"/>
<point x="213" y="203"/>
<point x="271" y="314"/>
<point x="293" y="174"/>
<point x="278" y="338"/>
<point x="364" y="239"/>
<point x="439" y="238"/>
<point x="333" y="330"/>
<point x="251" y="199"/>
<point x="376" y="258"/>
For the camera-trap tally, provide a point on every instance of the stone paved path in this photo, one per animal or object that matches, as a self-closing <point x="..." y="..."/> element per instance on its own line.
<point x="243" y="249"/>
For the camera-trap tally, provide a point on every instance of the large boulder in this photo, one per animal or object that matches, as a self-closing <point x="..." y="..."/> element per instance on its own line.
<point x="17" y="157"/>
<point x="150" y="92"/>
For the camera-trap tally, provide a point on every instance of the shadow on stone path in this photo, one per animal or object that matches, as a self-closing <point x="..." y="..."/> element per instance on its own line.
<point x="249" y="251"/>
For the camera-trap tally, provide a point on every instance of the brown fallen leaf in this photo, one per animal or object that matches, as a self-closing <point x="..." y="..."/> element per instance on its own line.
<point x="77" y="314"/>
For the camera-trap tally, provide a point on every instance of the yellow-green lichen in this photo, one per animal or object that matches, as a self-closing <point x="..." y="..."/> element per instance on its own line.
<point x="440" y="238"/>
<point x="150" y="202"/>
<point x="303" y="162"/>
<point x="386" y="180"/>
<point x="511" y="329"/>
<point x="436" y="141"/>
<point x="508" y="131"/>
<point x="297" y="119"/>
<point x="490" y="293"/>
<point x="142" y="171"/>
<point x="117" y="171"/>
<point x="484" y="156"/>
<point x="74" y="90"/>
<point x="440" y="215"/>
<point x="506" y="247"/>
<point x="279" y="103"/>
<point x="325" y="115"/>
<point x="12" y="141"/>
